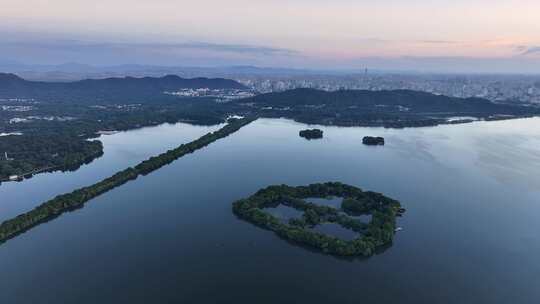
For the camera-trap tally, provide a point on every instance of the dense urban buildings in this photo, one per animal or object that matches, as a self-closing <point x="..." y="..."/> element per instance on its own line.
<point x="501" y="88"/>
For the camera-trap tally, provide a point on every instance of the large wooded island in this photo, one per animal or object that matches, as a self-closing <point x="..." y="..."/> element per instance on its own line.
<point x="377" y="233"/>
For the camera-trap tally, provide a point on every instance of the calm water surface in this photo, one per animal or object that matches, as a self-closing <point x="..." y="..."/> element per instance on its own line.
<point x="471" y="231"/>
<point x="121" y="150"/>
<point x="284" y="213"/>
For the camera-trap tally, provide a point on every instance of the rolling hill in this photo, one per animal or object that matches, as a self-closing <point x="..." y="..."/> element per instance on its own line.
<point x="127" y="89"/>
<point x="397" y="108"/>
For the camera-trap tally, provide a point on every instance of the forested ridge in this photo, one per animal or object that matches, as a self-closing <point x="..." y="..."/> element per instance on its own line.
<point x="91" y="91"/>
<point x="393" y="109"/>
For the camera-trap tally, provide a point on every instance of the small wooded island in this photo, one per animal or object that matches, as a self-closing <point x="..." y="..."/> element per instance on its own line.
<point x="375" y="234"/>
<point x="311" y="134"/>
<point x="373" y="141"/>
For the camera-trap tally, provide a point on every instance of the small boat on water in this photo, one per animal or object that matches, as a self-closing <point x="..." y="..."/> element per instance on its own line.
<point x="399" y="229"/>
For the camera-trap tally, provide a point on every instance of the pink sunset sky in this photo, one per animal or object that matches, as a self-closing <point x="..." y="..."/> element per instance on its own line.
<point x="473" y="35"/>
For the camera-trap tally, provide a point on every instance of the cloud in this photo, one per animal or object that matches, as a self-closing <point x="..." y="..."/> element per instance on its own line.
<point x="53" y="49"/>
<point x="56" y="50"/>
<point x="439" y="42"/>
<point x="530" y="50"/>
<point x="76" y="45"/>
<point x="232" y="48"/>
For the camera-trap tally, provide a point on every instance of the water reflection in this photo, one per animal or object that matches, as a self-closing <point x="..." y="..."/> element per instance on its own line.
<point x="284" y="213"/>
<point x="336" y="230"/>
<point x="510" y="159"/>
<point x="121" y="150"/>
<point x="326" y="201"/>
<point x="471" y="194"/>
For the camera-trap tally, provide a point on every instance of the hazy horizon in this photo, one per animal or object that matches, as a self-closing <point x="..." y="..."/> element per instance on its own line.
<point x="476" y="36"/>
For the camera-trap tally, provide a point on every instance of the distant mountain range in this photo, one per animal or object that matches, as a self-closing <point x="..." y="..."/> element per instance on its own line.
<point x="77" y="71"/>
<point x="108" y="89"/>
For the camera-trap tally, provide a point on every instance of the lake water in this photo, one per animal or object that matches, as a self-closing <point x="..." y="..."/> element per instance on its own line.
<point x="326" y="201"/>
<point x="284" y="213"/>
<point x="471" y="230"/>
<point x="121" y="150"/>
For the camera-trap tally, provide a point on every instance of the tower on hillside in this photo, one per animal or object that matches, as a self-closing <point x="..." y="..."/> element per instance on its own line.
<point x="7" y="157"/>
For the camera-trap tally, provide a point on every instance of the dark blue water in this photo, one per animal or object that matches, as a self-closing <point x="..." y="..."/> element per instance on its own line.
<point x="471" y="230"/>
